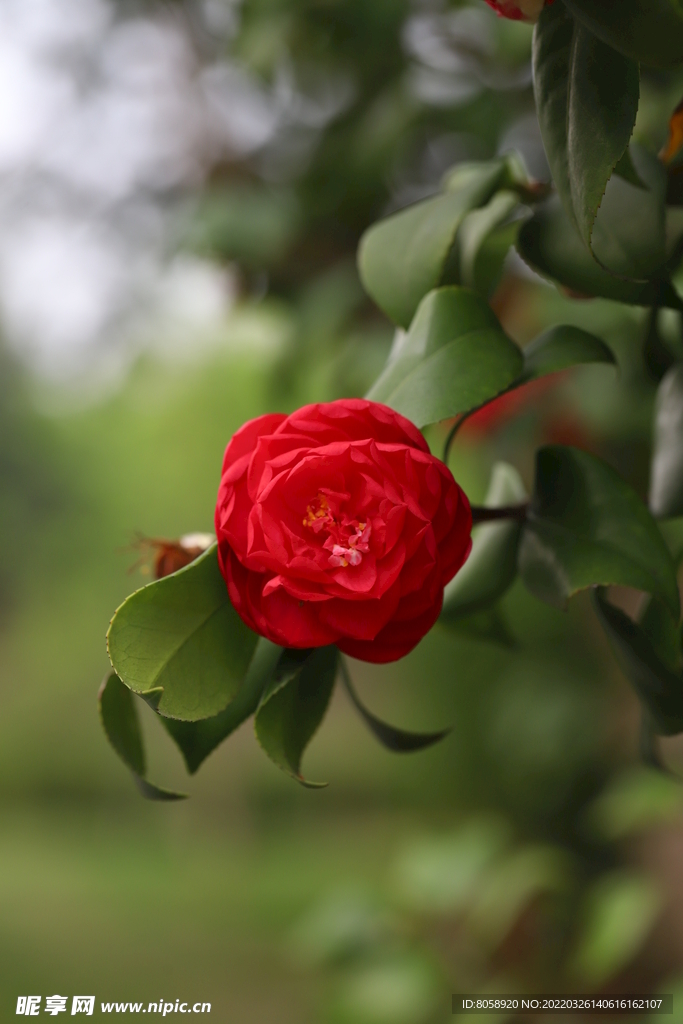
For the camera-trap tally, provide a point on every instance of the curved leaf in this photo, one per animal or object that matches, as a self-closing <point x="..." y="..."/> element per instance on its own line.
<point x="586" y="526"/>
<point x="651" y="32"/>
<point x="629" y="237"/>
<point x="492" y="565"/>
<point x="660" y="688"/>
<point x="182" y="636"/>
<point x="560" y="347"/>
<point x="549" y="243"/>
<point x="666" y="482"/>
<point x="587" y="101"/>
<point x="402" y="258"/>
<point x="196" y="740"/>
<point x="293" y="706"/>
<point x="483" y="241"/>
<point x="399" y="741"/>
<point x="454" y="357"/>
<point x="122" y="727"/>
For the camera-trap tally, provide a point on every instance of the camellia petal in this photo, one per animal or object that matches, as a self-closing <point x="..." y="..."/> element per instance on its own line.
<point x="336" y="525"/>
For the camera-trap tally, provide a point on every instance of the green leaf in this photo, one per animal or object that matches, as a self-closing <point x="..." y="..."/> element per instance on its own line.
<point x="120" y="721"/>
<point x="402" y="258"/>
<point x="492" y="565"/>
<point x="550" y="244"/>
<point x="483" y="242"/>
<point x="561" y="347"/>
<point x="659" y="688"/>
<point x="454" y="357"/>
<point x="629" y="237"/>
<point x="587" y="527"/>
<point x="181" y="634"/>
<point x="507" y="172"/>
<point x="196" y="740"/>
<point x="399" y="741"/>
<point x="666" y="483"/>
<point x="650" y="32"/>
<point x="626" y="169"/>
<point x="619" y="912"/>
<point x="293" y="706"/>
<point x="469" y="173"/>
<point x="587" y="101"/>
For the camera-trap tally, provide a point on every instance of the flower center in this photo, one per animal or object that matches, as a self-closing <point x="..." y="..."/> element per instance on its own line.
<point x="347" y="539"/>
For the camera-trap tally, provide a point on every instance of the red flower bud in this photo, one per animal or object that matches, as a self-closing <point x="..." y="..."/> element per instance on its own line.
<point x="336" y="525"/>
<point x="518" y="10"/>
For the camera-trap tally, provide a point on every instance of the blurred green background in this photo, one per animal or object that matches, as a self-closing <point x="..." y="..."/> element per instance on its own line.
<point x="527" y="851"/>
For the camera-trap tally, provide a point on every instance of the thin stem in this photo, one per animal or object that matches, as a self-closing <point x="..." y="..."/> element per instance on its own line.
<point x="449" y="440"/>
<point x="456" y="427"/>
<point x="470" y="412"/>
<point x="480" y="514"/>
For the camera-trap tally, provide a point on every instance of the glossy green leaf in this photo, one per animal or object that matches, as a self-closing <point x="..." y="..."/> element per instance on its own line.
<point x="182" y="636"/>
<point x="402" y="258"/>
<point x="492" y="565"/>
<point x="293" y="706"/>
<point x="561" y="347"/>
<point x="619" y="912"/>
<point x="121" y="724"/>
<point x="629" y="236"/>
<point x="400" y="741"/>
<point x="483" y="242"/>
<point x="196" y="740"/>
<point x="550" y="244"/>
<point x="454" y="357"/>
<point x="587" y="527"/>
<point x="467" y="173"/>
<point x="650" y="32"/>
<point x="626" y="169"/>
<point x="666" y="482"/>
<point x="659" y="688"/>
<point x="587" y="101"/>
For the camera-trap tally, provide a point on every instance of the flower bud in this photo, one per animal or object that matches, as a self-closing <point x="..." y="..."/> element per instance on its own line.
<point x="518" y="10"/>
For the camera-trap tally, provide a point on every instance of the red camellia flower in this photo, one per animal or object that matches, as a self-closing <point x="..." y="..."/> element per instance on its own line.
<point x="336" y="525"/>
<point x="518" y="10"/>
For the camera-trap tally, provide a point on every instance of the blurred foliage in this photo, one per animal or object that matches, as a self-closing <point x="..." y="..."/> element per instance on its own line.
<point x="372" y="890"/>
